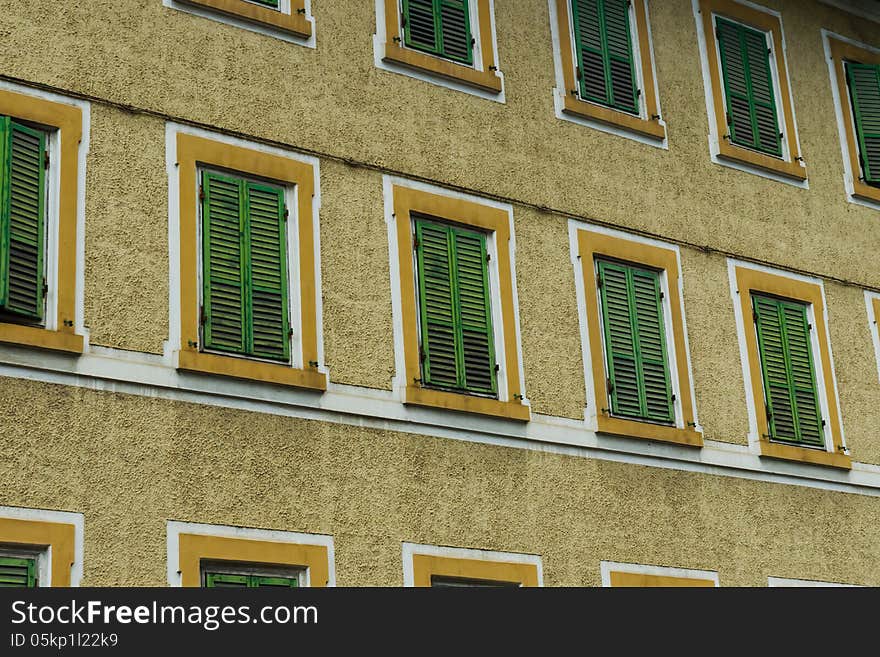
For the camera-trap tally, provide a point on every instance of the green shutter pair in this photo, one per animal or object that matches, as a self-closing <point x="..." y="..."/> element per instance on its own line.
<point x="787" y="368"/>
<point x="748" y="87"/>
<point x="229" y="581"/>
<point x="439" y="27"/>
<point x="457" y="346"/>
<point x="22" y="220"/>
<point x="864" y="89"/>
<point x="635" y="342"/>
<point x="15" y="572"/>
<point x="244" y="232"/>
<point x="605" y="56"/>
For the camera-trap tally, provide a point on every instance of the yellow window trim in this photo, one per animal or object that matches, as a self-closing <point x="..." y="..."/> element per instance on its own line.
<point x="751" y="280"/>
<point x="791" y="167"/>
<point x="407" y="201"/>
<point x="294" y="23"/>
<point x="840" y="52"/>
<point x="485" y="79"/>
<point x="427" y="566"/>
<point x="592" y="245"/>
<point x="60" y="537"/>
<point x="192" y="152"/>
<point x="194" y="548"/>
<point x="649" y="127"/>
<point x="622" y="579"/>
<point x="67" y="119"/>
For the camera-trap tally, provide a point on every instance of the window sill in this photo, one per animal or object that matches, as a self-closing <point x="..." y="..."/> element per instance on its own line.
<point x="486" y="80"/>
<point x="793" y="170"/>
<point x="646" y="430"/>
<point x="805" y="455"/>
<point x="468" y="404"/>
<point x="866" y="192"/>
<point x="242" y="368"/>
<point x="648" y="128"/>
<point x="34" y="336"/>
<point x="293" y="23"/>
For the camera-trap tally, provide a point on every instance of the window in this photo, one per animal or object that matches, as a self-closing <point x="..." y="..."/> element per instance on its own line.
<point x="750" y="97"/>
<point x="247" y="262"/>
<point x="221" y="556"/>
<point x="638" y="575"/>
<point x="452" y="39"/>
<point x="457" y="316"/>
<point x="41" y="153"/>
<point x="444" y="567"/>
<point x="855" y="76"/>
<point x="286" y="18"/>
<point x="791" y="389"/>
<point x="634" y="338"/>
<point x="40" y="548"/>
<point x="606" y="64"/>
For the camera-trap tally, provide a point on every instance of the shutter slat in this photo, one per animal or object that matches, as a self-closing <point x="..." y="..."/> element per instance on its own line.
<point x="23" y="220"/>
<point x="864" y="86"/>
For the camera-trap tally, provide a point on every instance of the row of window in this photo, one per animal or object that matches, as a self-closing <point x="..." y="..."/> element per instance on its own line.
<point x="217" y="556"/>
<point x="247" y="266"/>
<point x="607" y="74"/>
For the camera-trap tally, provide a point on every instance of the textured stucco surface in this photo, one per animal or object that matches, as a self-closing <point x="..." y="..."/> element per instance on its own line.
<point x="126" y="273"/>
<point x="153" y="460"/>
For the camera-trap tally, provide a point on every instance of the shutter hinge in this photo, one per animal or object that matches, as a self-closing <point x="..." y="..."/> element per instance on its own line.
<point x="45" y="290"/>
<point x="286" y="213"/>
<point x="493" y="68"/>
<point x="422" y="355"/>
<point x="473" y="41"/>
<point x="579" y="73"/>
<point x="45" y="159"/>
<point x="662" y="295"/>
<point x="488" y="256"/>
<point x="402" y="19"/>
<point x="655" y="117"/>
<point x="191" y="344"/>
<point x="638" y="93"/>
<point x="203" y="317"/>
<point x="822" y="421"/>
<point x="781" y="136"/>
<point x="673" y="399"/>
<point x="610" y="384"/>
<point x="599" y="281"/>
<point x="396" y="39"/>
<point x="416" y="243"/>
<point x="517" y="396"/>
<point x="289" y="333"/>
<point x="301" y="10"/>
<point x="313" y="363"/>
<point x="769" y="51"/>
<point x="497" y="368"/>
<point x="809" y="327"/>
<point x="755" y="316"/>
<point x="201" y="192"/>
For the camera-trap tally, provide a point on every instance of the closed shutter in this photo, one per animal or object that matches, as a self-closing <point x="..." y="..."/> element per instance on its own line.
<point x="787" y="368"/>
<point x="606" y="62"/>
<point x="276" y="582"/>
<point x="635" y="342"/>
<point x="244" y="268"/>
<point x="22" y="219"/>
<point x="15" y="572"/>
<point x="439" y="27"/>
<point x="864" y="89"/>
<point x="455" y="314"/>
<point x="227" y="580"/>
<point x="748" y="87"/>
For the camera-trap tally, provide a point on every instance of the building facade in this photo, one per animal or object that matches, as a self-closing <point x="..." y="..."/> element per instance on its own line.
<point x="403" y="292"/>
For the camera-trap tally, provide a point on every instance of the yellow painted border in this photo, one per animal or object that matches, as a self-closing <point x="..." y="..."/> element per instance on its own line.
<point x="427" y="566"/>
<point x="841" y="51"/>
<point x="295" y="22"/>
<point x="642" y="580"/>
<point x="650" y="127"/>
<point x="61" y="537"/>
<point x="751" y="280"/>
<point x="407" y="201"/>
<point x="193" y="151"/>
<point x="193" y="548"/>
<point x="487" y="79"/>
<point x="790" y="168"/>
<point x="67" y="119"/>
<point x="592" y="245"/>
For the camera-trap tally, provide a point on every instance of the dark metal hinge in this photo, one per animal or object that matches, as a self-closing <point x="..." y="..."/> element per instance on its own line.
<point x="46" y="159"/>
<point x="416" y="243"/>
<point x="579" y="73"/>
<point x="286" y="213"/>
<point x="45" y="290"/>
<point x="313" y="363"/>
<point x="301" y="10"/>
<point x="422" y="355"/>
<point x="488" y="256"/>
<point x="610" y="385"/>
<point x="201" y="193"/>
<point x="497" y="368"/>
<point x="203" y="317"/>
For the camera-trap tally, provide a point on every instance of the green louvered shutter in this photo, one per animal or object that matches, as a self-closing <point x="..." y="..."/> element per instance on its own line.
<point x="22" y="219"/>
<point x="455" y="315"/>
<point x="228" y="581"/>
<point x="274" y="582"/>
<point x="635" y="342"/>
<point x="15" y="572"/>
<point x="244" y="268"/>
<point x="439" y="27"/>
<point x="748" y="87"/>
<point x="864" y="89"/>
<point x="787" y="367"/>
<point x="606" y="62"/>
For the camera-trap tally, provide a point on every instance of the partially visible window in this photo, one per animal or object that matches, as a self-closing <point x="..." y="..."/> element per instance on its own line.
<point x="243" y="576"/>
<point x="18" y="572"/>
<point x="635" y="342"/>
<point x="864" y="89"/>
<point x="461" y="583"/>
<point x="268" y="3"/>
<point x="22" y="221"/>
<point x="455" y="319"/>
<point x="789" y="376"/>
<point x="244" y="303"/>
<point x="748" y="87"/>
<point x="439" y="27"/>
